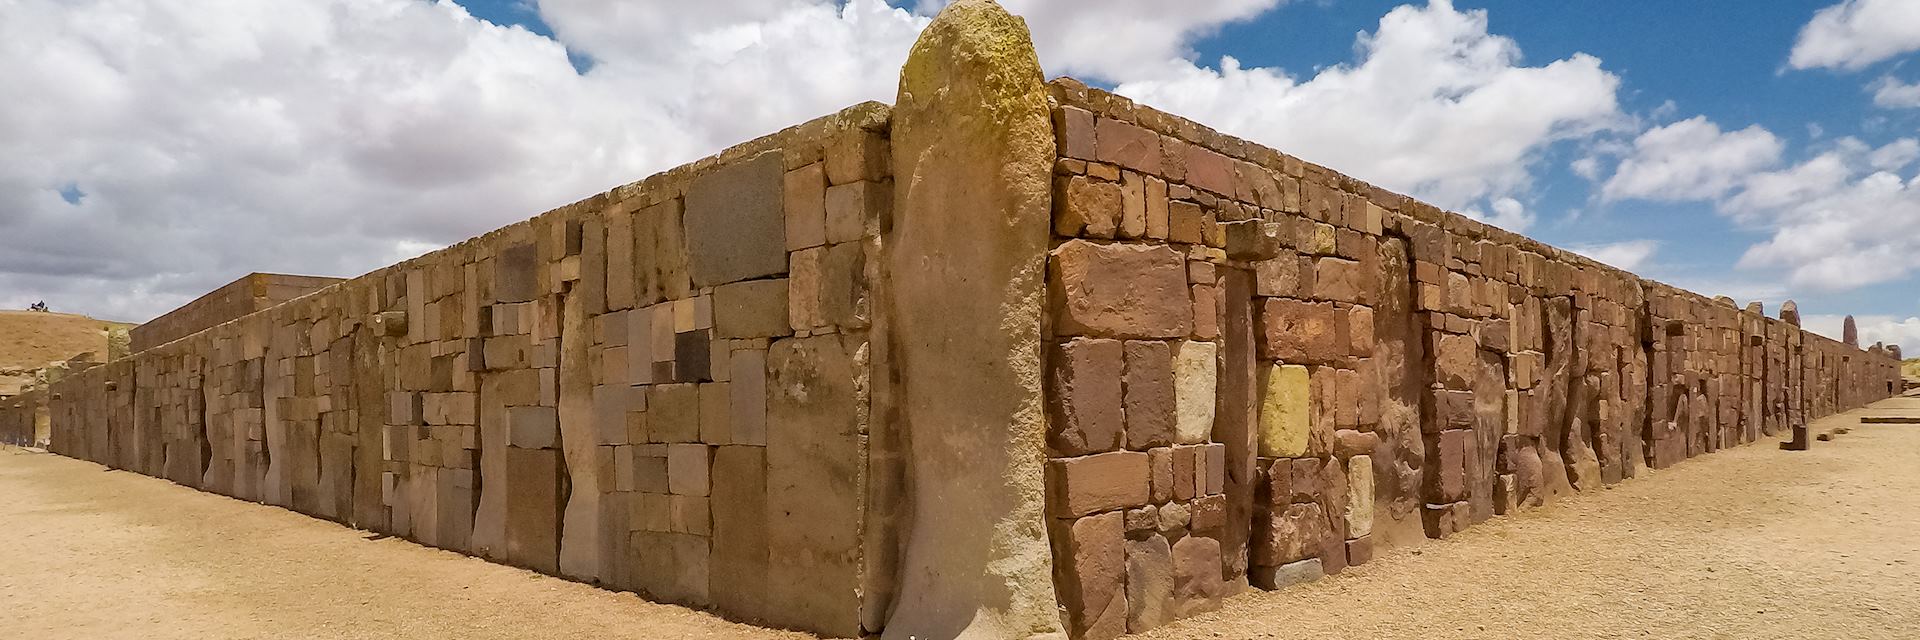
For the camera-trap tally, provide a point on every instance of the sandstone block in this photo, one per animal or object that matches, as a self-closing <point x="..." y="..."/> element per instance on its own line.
<point x="1448" y="480"/>
<point x="1150" y="404"/>
<point x="533" y="427"/>
<point x="735" y="222"/>
<point x="1297" y="332"/>
<point x="1195" y="378"/>
<point x="1088" y="208"/>
<point x="1360" y="550"/>
<point x="673" y="413"/>
<point x="805" y="200"/>
<point x="1101" y="482"/>
<point x="1091" y="573"/>
<point x="1074" y="127"/>
<point x="1085" y="399"/>
<point x="1127" y="145"/>
<point x="1284" y="411"/>
<point x="1359" y="512"/>
<point x="854" y="210"/>
<point x="1149" y="583"/>
<point x="1289" y="534"/>
<point x="1128" y="291"/>
<point x="1198" y="586"/>
<point x="750" y="309"/>
<point x="1287" y="575"/>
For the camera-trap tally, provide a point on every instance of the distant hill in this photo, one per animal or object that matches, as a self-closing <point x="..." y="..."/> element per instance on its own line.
<point x="30" y="340"/>
<point x="1910" y="368"/>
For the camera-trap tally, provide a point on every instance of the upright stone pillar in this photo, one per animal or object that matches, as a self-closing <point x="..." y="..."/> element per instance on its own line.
<point x="972" y="150"/>
<point x="1850" y="333"/>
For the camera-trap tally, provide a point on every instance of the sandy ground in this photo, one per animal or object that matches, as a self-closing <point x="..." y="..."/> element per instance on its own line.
<point x="1752" y="542"/>
<point x="90" y="553"/>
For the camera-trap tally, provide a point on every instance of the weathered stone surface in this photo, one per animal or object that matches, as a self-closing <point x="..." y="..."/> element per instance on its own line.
<point x="814" y="462"/>
<point x="1195" y="377"/>
<point x="1150" y="402"/>
<point x="1086" y="403"/>
<point x="1100" y="482"/>
<point x="1088" y="208"/>
<point x="1091" y="574"/>
<point x="1120" y="290"/>
<point x="973" y="156"/>
<point x="1284" y="411"/>
<point x="1359" y="507"/>
<point x="736" y="222"/>
<point x="1127" y="145"/>
<point x="1198" y="586"/>
<point x="1289" y="534"/>
<point x="1149" y="583"/>
<point x="751" y="309"/>
<point x="1287" y="575"/>
<point x="1296" y="332"/>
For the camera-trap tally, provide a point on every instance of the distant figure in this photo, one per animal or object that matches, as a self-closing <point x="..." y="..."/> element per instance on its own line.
<point x="38" y="306"/>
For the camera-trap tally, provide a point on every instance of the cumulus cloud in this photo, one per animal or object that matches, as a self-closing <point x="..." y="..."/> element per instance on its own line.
<point x="153" y="149"/>
<point x="1691" y="160"/>
<point x="1628" y="255"/>
<point x="1857" y="33"/>
<point x="1434" y="105"/>
<point x="1891" y="93"/>
<point x="1881" y="329"/>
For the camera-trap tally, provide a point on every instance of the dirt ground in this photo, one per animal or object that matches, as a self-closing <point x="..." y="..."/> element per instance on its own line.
<point x="1752" y="542"/>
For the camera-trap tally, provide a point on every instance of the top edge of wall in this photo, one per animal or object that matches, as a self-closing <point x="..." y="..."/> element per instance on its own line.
<point x="800" y="144"/>
<point x="1067" y="91"/>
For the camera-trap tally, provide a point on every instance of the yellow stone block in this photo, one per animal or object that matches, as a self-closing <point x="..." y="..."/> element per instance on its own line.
<point x="1284" y="411"/>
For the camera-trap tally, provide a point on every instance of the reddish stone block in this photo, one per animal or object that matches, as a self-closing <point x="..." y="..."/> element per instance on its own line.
<point x="1160" y="464"/>
<point x="1074" y="127"/>
<point x="1443" y="520"/>
<point x="1206" y="312"/>
<point x="1084" y="397"/>
<point x="1149" y="396"/>
<point x="1090" y="574"/>
<point x="1209" y="170"/>
<point x="1336" y="280"/>
<point x="1198" y="586"/>
<point x="1296" y="332"/>
<point x="1209" y="513"/>
<point x="1456" y="360"/>
<point x="1091" y="484"/>
<point x="1120" y="290"/>
<point x="1127" y="145"/>
<point x="1360" y="331"/>
<point x="1293" y="533"/>
<point x="1446" y="480"/>
<point x="1360" y="550"/>
<point x="1087" y="207"/>
<point x="1308" y="483"/>
<point x="1186" y="468"/>
<point x="1448" y="410"/>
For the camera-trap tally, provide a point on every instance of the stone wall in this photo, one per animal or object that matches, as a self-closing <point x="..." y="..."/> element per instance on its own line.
<point x="24" y="421"/>
<point x="254" y="292"/>
<point x="1263" y="371"/>
<point x="742" y="383"/>
<point x="661" y="388"/>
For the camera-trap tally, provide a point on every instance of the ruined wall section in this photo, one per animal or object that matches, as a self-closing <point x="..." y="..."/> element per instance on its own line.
<point x="664" y="388"/>
<point x="1262" y="371"/>
<point x="24" y="421"/>
<point x="254" y="292"/>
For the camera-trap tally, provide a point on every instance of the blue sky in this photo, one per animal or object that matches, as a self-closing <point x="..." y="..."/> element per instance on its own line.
<point x="1733" y="149"/>
<point x="1674" y="60"/>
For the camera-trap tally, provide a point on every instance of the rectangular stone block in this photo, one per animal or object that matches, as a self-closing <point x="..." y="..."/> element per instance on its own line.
<point x="1084" y="397"/>
<point x="1284" y="411"/>
<point x="1195" y="380"/>
<point x="854" y="210"/>
<point x="1149" y="394"/>
<point x="1090" y="573"/>
<point x="688" y="469"/>
<point x="806" y="206"/>
<point x="740" y="531"/>
<point x="1149" y="583"/>
<point x="533" y="509"/>
<point x="1117" y="290"/>
<point x="533" y="427"/>
<point x="735" y="222"/>
<point x="1096" y="483"/>
<point x="1296" y="332"/>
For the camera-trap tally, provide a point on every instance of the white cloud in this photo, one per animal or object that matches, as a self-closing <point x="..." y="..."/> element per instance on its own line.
<point x="1889" y="92"/>
<point x="1435" y="106"/>
<point x="1691" y="160"/>
<point x="215" y="138"/>
<point x="1857" y="33"/>
<point x="1627" y="255"/>
<point x="1880" y="328"/>
<point x="1118" y="40"/>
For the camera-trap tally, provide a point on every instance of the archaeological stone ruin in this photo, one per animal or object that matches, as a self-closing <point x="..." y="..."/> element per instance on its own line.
<point x="1007" y="359"/>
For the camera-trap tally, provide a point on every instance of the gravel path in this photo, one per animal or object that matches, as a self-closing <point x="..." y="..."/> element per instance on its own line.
<point x="1752" y="542"/>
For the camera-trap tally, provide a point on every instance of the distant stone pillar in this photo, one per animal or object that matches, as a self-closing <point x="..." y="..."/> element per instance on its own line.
<point x="1850" y="333"/>
<point x="973" y="155"/>
<point x="1790" y="313"/>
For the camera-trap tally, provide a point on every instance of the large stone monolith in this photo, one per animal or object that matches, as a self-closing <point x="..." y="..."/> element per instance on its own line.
<point x="973" y="150"/>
